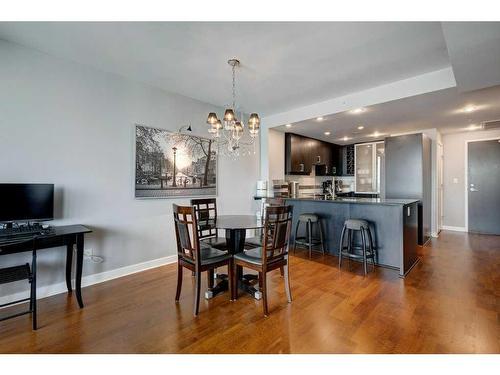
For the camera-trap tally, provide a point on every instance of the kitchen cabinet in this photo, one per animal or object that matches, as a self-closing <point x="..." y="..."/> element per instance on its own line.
<point x="297" y="154"/>
<point x="368" y="167"/>
<point x="302" y="154"/>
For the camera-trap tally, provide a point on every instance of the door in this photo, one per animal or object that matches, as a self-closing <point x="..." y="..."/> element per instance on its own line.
<point x="483" y="186"/>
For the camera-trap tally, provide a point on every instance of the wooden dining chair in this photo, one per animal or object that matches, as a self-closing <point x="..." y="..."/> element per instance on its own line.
<point x="256" y="241"/>
<point x="206" y="216"/>
<point x="194" y="257"/>
<point x="273" y="252"/>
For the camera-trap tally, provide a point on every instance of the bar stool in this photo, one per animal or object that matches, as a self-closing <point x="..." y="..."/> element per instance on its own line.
<point x="308" y="240"/>
<point x="367" y="248"/>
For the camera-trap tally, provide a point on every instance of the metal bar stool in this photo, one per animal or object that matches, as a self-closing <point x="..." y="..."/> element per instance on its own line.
<point x="365" y="251"/>
<point x="308" y="240"/>
<point x="18" y="273"/>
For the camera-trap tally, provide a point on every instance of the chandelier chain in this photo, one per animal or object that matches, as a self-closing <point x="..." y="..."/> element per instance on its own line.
<point x="234" y="87"/>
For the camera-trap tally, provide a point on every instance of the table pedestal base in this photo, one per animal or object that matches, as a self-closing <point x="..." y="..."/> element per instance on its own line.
<point x="246" y="284"/>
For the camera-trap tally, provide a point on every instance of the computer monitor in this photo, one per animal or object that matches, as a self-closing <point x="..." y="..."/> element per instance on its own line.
<point x="26" y="202"/>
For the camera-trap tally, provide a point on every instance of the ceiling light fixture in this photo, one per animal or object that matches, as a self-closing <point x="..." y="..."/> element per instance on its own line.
<point x="376" y="134"/>
<point x="357" y="111"/>
<point x="327" y="133"/>
<point x="346" y="138"/>
<point x="319" y="118"/>
<point x="475" y="127"/>
<point x="288" y="125"/>
<point x="469" y="108"/>
<point x="229" y="131"/>
<point x="361" y="127"/>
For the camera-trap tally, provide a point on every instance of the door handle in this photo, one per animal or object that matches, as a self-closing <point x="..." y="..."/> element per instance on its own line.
<point x="473" y="189"/>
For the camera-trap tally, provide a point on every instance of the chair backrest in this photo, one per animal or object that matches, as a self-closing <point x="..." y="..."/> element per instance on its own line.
<point x="186" y="233"/>
<point x="277" y="228"/>
<point x="206" y="215"/>
<point x="270" y="202"/>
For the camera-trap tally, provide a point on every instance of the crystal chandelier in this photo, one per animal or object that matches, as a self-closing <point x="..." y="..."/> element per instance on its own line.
<point x="229" y="134"/>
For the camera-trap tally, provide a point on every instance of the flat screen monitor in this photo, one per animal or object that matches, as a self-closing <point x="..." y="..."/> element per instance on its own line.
<point x="26" y="202"/>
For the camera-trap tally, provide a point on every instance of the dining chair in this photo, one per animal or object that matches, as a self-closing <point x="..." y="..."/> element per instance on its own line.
<point x="272" y="254"/>
<point x="19" y="273"/>
<point x="193" y="256"/>
<point x="256" y="241"/>
<point x="206" y="215"/>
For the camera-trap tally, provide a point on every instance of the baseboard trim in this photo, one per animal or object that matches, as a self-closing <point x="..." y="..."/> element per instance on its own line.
<point x="50" y="290"/>
<point x="454" y="229"/>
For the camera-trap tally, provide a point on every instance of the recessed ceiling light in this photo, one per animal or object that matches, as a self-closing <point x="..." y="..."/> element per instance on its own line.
<point x="288" y="125"/>
<point x="327" y="133"/>
<point x="469" y="108"/>
<point x="319" y="118"/>
<point x="346" y="138"/>
<point x="361" y="127"/>
<point x="376" y="134"/>
<point x="474" y="127"/>
<point x="357" y="111"/>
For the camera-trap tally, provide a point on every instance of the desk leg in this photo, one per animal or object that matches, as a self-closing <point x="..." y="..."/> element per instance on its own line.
<point x="79" y="267"/>
<point x="69" y="265"/>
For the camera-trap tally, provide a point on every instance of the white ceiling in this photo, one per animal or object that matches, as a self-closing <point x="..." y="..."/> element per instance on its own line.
<point x="440" y="109"/>
<point x="474" y="50"/>
<point x="284" y="65"/>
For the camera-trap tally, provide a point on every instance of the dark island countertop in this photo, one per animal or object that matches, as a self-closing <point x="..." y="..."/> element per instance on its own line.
<point x="376" y="201"/>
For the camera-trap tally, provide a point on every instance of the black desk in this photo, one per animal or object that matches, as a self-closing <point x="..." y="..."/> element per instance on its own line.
<point x="67" y="235"/>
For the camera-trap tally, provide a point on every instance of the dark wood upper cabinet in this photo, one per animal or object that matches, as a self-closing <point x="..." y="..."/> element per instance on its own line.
<point x="302" y="154"/>
<point x="297" y="159"/>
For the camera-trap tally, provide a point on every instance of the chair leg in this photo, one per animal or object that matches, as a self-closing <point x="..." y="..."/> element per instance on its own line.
<point x="179" y="282"/>
<point x="235" y="281"/>
<point x="309" y="237"/>
<point x="363" y="241"/>
<point x="33" y="292"/>
<point x="197" y="293"/>
<point x="349" y="246"/>
<point x="372" y="248"/>
<point x="264" y="293"/>
<point x="321" y="237"/>
<point x="287" y="284"/>
<point x="210" y="278"/>
<point x="230" y="276"/>
<point x="282" y="271"/>
<point x="341" y="245"/>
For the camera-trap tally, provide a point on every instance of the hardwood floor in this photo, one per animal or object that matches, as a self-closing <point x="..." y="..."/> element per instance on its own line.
<point x="449" y="303"/>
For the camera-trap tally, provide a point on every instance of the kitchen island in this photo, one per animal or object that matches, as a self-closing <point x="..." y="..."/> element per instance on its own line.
<point x="393" y="222"/>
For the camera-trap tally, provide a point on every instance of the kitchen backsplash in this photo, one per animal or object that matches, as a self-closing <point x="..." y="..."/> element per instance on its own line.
<point x="312" y="185"/>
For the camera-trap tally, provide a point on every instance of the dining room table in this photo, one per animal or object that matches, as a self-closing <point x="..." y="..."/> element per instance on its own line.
<point x="236" y="227"/>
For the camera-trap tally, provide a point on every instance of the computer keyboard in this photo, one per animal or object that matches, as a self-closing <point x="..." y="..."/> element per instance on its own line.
<point x="23" y="231"/>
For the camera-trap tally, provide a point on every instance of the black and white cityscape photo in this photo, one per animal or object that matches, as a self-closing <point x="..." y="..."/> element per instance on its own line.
<point x="169" y="164"/>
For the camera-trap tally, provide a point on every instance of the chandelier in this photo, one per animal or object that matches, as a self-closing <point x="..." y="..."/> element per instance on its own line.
<point x="229" y="133"/>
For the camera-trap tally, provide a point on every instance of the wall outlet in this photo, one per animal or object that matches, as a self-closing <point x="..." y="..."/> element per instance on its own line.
<point x="89" y="254"/>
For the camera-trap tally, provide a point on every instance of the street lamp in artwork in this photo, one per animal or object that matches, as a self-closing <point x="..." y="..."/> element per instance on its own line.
<point x="174" y="183"/>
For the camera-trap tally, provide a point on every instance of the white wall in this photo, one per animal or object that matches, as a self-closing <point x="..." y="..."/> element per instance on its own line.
<point x="72" y="125"/>
<point x="276" y="154"/>
<point x="454" y="149"/>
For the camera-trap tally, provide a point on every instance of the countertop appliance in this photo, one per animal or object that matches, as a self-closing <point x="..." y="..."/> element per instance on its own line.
<point x="293" y="189"/>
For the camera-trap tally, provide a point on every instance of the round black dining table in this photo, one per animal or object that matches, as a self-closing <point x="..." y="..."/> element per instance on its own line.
<point x="236" y="227"/>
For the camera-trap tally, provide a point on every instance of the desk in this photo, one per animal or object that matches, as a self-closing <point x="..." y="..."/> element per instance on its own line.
<point x="68" y="236"/>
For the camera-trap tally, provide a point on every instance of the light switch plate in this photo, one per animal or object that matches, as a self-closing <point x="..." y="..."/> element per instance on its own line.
<point x="455" y="180"/>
